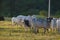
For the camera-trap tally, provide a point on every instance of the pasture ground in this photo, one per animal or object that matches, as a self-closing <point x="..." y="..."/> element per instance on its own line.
<point x="10" y="32"/>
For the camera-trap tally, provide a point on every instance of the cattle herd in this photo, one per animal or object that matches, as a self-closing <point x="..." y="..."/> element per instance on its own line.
<point x="35" y="23"/>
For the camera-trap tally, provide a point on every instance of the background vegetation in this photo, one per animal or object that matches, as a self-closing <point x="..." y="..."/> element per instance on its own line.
<point x="9" y="8"/>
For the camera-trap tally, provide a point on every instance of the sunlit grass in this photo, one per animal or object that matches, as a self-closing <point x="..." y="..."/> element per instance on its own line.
<point x="10" y="32"/>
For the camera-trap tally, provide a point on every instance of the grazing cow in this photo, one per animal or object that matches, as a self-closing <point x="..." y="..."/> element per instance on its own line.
<point x="2" y="18"/>
<point x="41" y="23"/>
<point x="24" y="21"/>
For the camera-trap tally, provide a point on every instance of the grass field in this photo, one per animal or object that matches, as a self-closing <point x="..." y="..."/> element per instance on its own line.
<point x="9" y="32"/>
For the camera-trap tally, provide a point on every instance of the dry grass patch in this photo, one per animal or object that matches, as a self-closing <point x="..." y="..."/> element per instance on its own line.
<point x="9" y="32"/>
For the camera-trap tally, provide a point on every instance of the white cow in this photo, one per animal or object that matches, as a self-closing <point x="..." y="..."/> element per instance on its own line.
<point x="58" y="25"/>
<point x="54" y="23"/>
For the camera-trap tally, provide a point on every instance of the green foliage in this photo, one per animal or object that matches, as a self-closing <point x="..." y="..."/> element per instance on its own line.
<point x="40" y="16"/>
<point x="27" y="7"/>
<point x="43" y="13"/>
<point x="57" y="14"/>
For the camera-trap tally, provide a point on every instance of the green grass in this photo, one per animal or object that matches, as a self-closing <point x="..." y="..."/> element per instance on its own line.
<point x="9" y="32"/>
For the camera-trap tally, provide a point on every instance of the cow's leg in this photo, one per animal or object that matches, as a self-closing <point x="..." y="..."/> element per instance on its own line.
<point x="26" y="28"/>
<point x="48" y="30"/>
<point x="31" y="28"/>
<point x="44" y="30"/>
<point x="35" y="30"/>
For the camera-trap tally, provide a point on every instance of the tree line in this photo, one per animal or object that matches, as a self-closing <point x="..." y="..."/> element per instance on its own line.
<point x="11" y="8"/>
